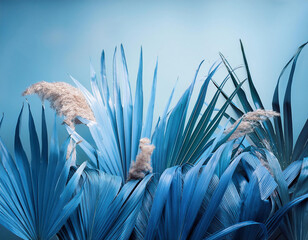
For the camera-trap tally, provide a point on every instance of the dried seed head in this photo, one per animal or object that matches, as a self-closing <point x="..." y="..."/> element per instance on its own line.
<point x="67" y="100"/>
<point x="142" y="165"/>
<point x="249" y="122"/>
<point x="260" y="115"/>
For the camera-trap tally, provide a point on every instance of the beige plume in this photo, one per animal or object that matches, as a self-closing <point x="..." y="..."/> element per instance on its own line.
<point x="249" y="122"/>
<point x="67" y="100"/>
<point x="142" y="165"/>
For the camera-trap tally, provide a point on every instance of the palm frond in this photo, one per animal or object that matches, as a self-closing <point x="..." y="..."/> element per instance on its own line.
<point x="107" y="210"/>
<point x="119" y="123"/>
<point x="287" y="198"/>
<point x="178" y="137"/>
<point x="35" y="197"/>
<point x="276" y="137"/>
<point x="195" y="202"/>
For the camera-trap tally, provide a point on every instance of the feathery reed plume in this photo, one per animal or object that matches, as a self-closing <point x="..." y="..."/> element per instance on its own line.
<point x="67" y="100"/>
<point x="142" y="165"/>
<point x="249" y="122"/>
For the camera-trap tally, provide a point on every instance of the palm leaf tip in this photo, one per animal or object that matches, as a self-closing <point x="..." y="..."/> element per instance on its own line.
<point x="249" y="122"/>
<point x="142" y="165"/>
<point x="67" y="100"/>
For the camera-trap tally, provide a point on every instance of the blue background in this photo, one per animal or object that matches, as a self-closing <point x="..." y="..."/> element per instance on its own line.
<point x="45" y="40"/>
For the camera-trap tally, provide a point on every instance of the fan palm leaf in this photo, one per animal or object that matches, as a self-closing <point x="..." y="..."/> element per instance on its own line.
<point x="119" y="123"/>
<point x="292" y="191"/>
<point x="179" y="137"/>
<point x="195" y="201"/>
<point x="105" y="211"/>
<point x="35" y="197"/>
<point x="277" y="136"/>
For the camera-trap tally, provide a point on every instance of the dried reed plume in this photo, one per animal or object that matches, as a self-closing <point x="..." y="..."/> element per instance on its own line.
<point x="142" y="165"/>
<point x="67" y="100"/>
<point x="249" y="122"/>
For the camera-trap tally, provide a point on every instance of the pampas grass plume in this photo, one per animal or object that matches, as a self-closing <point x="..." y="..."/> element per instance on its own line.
<point x="142" y="165"/>
<point x="249" y="122"/>
<point x="65" y="99"/>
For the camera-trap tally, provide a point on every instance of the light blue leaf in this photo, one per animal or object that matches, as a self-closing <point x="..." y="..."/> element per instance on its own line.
<point x="147" y="128"/>
<point x="137" y="112"/>
<point x="36" y="197"/>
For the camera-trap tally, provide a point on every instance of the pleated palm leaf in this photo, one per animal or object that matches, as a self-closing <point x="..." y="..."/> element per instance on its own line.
<point x="292" y="191"/>
<point x="197" y="201"/>
<point x="278" y="136"/>
<point x="108" y="210"/>
<point x="227" y="198"/>
<point x="181" y="136"/>
<point x="119" y="123"/>
<point x="36" y="197"/>
<point x="281" y="207"/>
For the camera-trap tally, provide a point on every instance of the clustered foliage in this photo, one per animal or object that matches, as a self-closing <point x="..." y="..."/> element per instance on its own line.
<point x="186" y="178"/>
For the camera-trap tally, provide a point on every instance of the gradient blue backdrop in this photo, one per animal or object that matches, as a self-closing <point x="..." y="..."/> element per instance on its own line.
<point x="45" y="40"/>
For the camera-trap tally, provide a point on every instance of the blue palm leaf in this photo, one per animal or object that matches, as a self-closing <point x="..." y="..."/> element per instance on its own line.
<point x="180" y="203"/>
<point x="253" y="208"/>
<point x="196" y="202"/>
<point x="179" y="136"/>
<point x="119" y="123"/>
<point x="287" y="200"/>
<point x="137" y="112"/>
<point x="103" y="82"/>
<point x="223" y="233"/>
<point x="36" y="197"/>
<point x="286" y="156"/>
<point x="144" y="212"/>
<point x="105" y="212"/>
<point x="279" y="134"/>
<point x="127" y="112"/>
<point x="146" y="130"/>
<point x="178" y="143"/>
